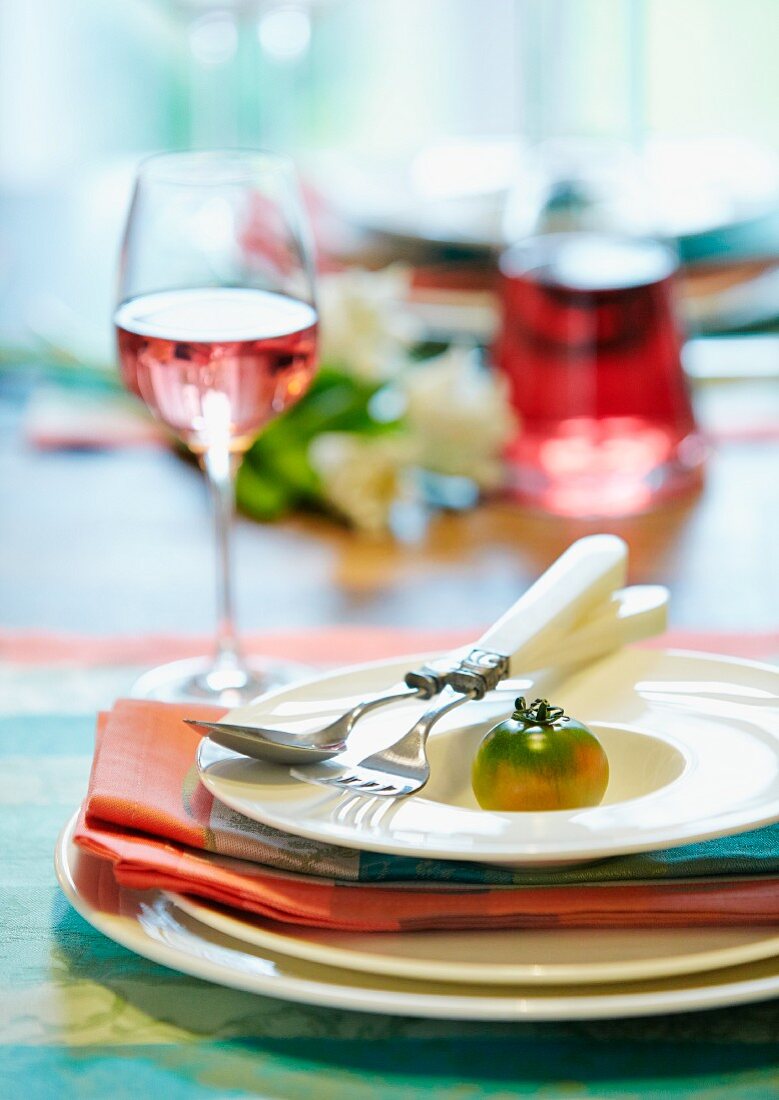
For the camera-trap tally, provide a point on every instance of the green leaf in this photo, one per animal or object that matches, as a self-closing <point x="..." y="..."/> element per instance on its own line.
<point x="276" y="474"/>
<point x="290" y="465"/>
<point x="260" y="495"/>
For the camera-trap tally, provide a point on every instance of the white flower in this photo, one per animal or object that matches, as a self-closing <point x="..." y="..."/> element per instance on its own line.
<point x="364" y="326"/>
<point x="362" y="476"/>
<point x="459" y="416"/>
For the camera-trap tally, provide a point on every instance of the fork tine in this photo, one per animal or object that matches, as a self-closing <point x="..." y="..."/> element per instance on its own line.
<point x="357" y="783"/>
<point x="398" y="770"/>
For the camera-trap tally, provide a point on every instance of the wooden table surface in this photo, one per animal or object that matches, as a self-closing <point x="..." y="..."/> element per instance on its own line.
<point x="120" y="542"/>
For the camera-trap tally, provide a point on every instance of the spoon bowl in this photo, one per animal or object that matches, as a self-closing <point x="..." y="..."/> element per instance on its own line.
<point x="272" y="745"/>
<point x="279" y="746"/>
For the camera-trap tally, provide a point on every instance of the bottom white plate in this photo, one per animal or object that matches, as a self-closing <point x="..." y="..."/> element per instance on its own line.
<point x="502" y="957"/>
<point x="150" y="924"/>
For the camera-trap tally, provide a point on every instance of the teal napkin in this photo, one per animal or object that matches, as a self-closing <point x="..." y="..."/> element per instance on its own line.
<point x="746" y="854"/>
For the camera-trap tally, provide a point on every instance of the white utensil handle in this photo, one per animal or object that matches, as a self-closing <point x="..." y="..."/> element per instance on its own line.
<point x="630" y="615"/>
<point x="582" y="578"/>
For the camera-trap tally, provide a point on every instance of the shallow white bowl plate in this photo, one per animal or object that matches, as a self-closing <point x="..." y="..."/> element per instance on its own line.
<point x="692" y="741"/>
<point x="502" y="957"/>
<point x="151" y="925"/>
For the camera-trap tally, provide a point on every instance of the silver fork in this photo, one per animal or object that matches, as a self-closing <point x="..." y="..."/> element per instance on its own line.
<point x="572" y="585"/>
<point x="403" y="768"/>
<point x="398" y="770"/>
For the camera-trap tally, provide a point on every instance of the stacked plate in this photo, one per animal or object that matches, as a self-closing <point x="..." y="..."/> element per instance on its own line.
<point x="693" y="745"/>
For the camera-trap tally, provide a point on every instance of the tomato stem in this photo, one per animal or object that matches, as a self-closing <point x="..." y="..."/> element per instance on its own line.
<point x="540" y="711"/>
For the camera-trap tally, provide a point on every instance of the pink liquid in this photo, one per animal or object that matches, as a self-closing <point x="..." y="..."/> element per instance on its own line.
<point x="216" y="364"/>
<point x="591" y="349"/>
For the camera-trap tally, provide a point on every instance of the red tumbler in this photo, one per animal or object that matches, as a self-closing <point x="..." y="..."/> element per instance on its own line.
<point x="590" y="346"/>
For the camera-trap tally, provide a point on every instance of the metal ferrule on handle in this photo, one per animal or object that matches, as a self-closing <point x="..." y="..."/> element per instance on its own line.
<point x="478" y="673"/>
<point x="426" y="681"/>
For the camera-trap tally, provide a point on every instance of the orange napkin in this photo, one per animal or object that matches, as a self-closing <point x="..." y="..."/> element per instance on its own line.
<point x="147" y="812"/>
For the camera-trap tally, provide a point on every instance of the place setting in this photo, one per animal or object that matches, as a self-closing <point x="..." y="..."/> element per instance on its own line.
<point x="389" y="698"/>
<point x="545" y="824"/>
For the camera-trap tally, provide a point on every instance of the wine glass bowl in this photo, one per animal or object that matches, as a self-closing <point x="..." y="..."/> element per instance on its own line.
<point x="216" y="331"/>
<point x="216" y="364"/>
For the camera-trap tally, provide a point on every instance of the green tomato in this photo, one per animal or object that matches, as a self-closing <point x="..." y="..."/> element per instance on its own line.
<point x="539" y="759"/>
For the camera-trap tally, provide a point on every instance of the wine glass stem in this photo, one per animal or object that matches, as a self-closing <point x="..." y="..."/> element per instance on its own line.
<point x="220" y="466"/>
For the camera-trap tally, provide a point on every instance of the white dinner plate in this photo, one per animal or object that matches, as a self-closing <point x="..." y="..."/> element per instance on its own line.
<point x="692" y="741"/>
<point x="150" y="924"/>
<point x="502" y="957"/>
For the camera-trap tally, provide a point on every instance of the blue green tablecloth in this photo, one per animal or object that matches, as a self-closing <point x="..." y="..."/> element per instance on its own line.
<point x="81" y="1016"/>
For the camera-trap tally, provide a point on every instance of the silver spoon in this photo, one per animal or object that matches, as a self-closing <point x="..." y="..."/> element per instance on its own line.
<point x="284" y="747"/>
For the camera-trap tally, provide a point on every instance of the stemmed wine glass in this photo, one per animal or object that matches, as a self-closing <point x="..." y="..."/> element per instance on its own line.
<point x="216" y="329"/>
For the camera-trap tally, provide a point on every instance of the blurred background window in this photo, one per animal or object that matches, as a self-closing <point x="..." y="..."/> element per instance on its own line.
<point x="86" y="79"/>
<point x="87" y="87"/>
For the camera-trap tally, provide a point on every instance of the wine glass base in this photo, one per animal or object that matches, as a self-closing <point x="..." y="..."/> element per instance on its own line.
<point x="202" y="680"/>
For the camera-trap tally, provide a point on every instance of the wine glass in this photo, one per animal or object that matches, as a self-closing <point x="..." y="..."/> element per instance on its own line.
<point x="216" y="330"/>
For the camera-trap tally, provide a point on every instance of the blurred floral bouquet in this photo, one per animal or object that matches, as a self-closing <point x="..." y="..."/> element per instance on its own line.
<point x="390" y="427"/>
<point x="387" y="421"/>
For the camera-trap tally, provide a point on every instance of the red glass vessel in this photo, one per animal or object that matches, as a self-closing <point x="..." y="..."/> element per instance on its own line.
<point x="591" y="349"/>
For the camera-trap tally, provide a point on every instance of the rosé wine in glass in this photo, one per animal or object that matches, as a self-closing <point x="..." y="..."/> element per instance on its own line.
<point x="216" y="364"/>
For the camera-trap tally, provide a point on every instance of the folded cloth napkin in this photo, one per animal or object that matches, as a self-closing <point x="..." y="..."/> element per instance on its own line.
<point x="148" y="813"/>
